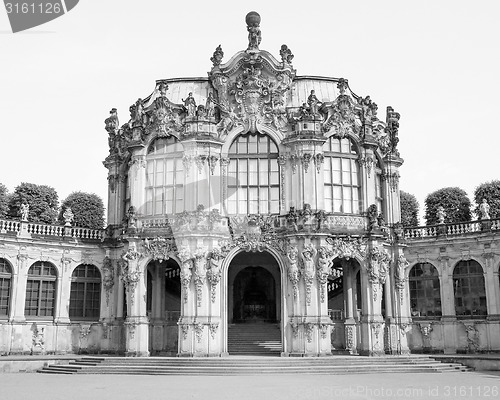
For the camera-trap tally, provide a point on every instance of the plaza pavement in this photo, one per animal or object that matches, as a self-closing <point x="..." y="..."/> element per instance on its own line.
<point x="454" y="385"/>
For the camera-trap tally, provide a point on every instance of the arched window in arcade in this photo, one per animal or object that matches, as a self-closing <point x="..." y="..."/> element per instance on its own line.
<point x="253" y="176"/>
<point x="425" y="294"/>
<point x="469" y="289"/>
<point x="341" y="176"/>
<point x="164" y="177"/>
<point x="41" y="290"/>
<point x="85" y="295"/>
<point x="5" y="287"/>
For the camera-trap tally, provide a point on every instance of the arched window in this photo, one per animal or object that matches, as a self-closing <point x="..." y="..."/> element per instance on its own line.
<point x="341" y="176"/>
<point x="85" y="296"/>
<point x="425" y="295"/>
<point x="470" y="292"/>
<point x="5" y="286"/>
<point x="164" y="177"/>
<point x="41" y="290"/>
<point x="253" y="176"/>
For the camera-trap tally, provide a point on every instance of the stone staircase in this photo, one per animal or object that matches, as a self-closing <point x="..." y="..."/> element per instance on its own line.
<point x="254" y="339"/>
<point x="249" y="365"/>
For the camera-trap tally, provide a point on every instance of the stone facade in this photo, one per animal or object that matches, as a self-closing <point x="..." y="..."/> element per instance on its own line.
<point x="255" y="172"/>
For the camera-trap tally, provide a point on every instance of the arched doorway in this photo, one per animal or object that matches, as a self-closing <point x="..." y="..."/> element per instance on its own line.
<point x="254" y="304"/>
<point x="163" y="305"/>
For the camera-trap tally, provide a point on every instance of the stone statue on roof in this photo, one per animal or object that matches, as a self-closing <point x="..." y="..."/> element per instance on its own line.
<point x="253" y="27"/>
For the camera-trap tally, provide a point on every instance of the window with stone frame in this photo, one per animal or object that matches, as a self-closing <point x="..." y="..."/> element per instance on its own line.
<point x="41" y="290"/>
<point x="253" y="176"/>
<point x="5" y="287"/>
<point x="164" y="177"/>
<point x="341" y="176"/>
<point x="469" y="289"/>
<point x="85" y="294"/>
<point x="425" y="293"/>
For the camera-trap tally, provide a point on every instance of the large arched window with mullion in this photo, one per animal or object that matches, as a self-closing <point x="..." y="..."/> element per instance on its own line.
<point x="425" y="293"/>
<point x="253" y="176"/>
<point x="469" y="289"/>
<point x="5" y="287"/>
<point x="341" y="176"/>
<point x="164" y="177"/>
<point x="41" y="290"/>
<point x="85" y="295"/>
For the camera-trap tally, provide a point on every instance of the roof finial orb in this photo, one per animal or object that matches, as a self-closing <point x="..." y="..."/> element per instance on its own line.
<point x="254" y="37"/>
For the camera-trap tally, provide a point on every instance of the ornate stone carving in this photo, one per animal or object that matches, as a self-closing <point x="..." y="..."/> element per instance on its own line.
<point x="190" y="105"/>
<point x="131" y="220"/>
<point x="159" y="248"/>
<point x="200" y="161"/>
<point x="217" y="56"/>
<point x="324" y="330"/>
<point x="108" y="279"/>
<point x="484" y="210"/>
<point x="472" y="336"/>
<point x="349" y="333"/>
<point x="253" y="26"/>
<point x="215" y="271"/>
<point x="295" y="328"/>
<point x="368" y="162"/>
<point x="306" y="161"/>
<point x="24" y="211"/>
<point x="341" y="114"/>
<point x="319" y="159"/>
<point x="198" y="331"/>
<point x="213" y="329"/>
<point x="392" y="129"/>
<point x="325" y="263"/>
<point x="399" y="273"/>
<point x="378" y="267"/>
<point x="130" y="274"/>
<point x="372" y="214"/>
<point x="308" y="255"/>
<point x="184" y="330"/>
<point x="293" y="162"/>
<point x="309" y="329"/>
<point x="38" y="337"/>
<point x="286" y="54"/>
<point x="200" y="273"/>
<point x="347" y="247"/>
<point x="293" y="269"/>
<point x="184" y="255"/>
<point x="187" y="161"/>
<point x="212" y="163"/>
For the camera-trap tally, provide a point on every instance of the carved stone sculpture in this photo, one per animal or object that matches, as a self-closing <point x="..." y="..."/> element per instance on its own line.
<point x="254" y="34"/>
<point x="286" y="54"/>
<point x="190" y="105"/>
<point x="217" y="56"/>
<point x="24" y="210"/>
<point x="68" y="216"/>
<point x="484" y="210"/>
<point x="293" y="268"/>
<point x="441" y="214"/>
<point x="308" y="257"/>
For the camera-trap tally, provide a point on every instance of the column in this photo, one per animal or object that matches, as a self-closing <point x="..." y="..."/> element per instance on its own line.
<point x="16" y="312"/>
<point x="349" y="322"/>
<point x="448" y="305"/>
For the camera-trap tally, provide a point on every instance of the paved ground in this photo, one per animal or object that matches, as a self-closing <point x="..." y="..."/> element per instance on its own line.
<point x="471" y="385"/>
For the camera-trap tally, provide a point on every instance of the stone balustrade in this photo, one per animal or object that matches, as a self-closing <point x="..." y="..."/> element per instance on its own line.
<point x="453" y="229"/>
<point x="32" y="228"/>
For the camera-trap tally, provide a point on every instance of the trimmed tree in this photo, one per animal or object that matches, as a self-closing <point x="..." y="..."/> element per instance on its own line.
<point x="409" y="209"/>
<point x="491" y="192"/>
<point x="4" y="200"/>
<point x="87" y="208"/>
<point x="43" y="202"/>
<point x="455" y="202"/>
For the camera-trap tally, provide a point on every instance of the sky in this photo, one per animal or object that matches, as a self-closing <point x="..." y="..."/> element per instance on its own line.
<point x="436" y="62"/>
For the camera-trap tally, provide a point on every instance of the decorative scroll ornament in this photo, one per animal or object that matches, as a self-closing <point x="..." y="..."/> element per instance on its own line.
<point x="309" y="329"/>
<point x="212" y="163"/>
<point x="308" y="256"/>
<point x="325" y="263"/>
<point x="159" y="248"/>
<point x="200" y="161"/>
<point x="184" y="255"/>
<point x="198" y="330"/>
<point x="294" y="158"/>
<point x="368" y="162"/>
<point x="187" y="162"/>
<point x="164" y="116"/>
<point x="215" y="271"/>
<point x="108" y="279"/>
<point x="293" y="268"/>
<point x="295" y="327"/>
<point x="184" y="330"/>
<point x="200" y="273"/>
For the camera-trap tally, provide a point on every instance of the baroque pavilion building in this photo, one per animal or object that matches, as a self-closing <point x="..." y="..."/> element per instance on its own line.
<point x="253" y="201"/>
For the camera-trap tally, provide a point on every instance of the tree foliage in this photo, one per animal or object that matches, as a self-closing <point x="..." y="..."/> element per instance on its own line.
<point x="87" y="208"/>
<point x="43" y="202"/>
<point x="455" y="202"/>
<point x="491" y="192"/>
<point x="4" y="200"/>
<point x="409" y="209"/>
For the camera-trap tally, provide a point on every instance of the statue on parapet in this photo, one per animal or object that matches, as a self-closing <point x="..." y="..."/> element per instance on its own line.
<point x="313" y="103"/>
<point x="253" y="27"/>
<point x="441" y="214"/>
<point x="24" y="210"/>
<point x="484" y="210"/>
